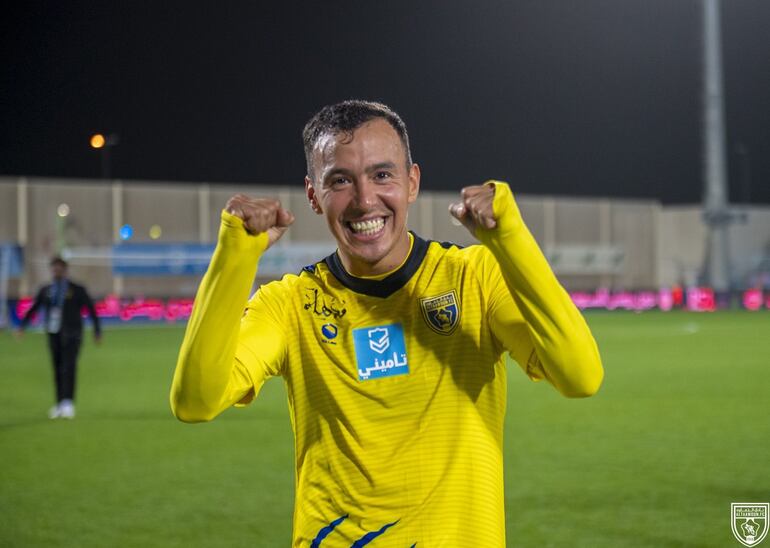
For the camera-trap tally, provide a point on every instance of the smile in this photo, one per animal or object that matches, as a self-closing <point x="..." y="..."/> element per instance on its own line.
<point x="368" y="227"/>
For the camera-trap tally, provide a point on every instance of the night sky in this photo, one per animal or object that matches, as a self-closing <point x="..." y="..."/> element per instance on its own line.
<point x="588" y="97"/>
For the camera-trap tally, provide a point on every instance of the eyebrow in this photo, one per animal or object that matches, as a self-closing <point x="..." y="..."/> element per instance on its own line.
<point x="381" y="165"/>
<point x="370" y="169"/>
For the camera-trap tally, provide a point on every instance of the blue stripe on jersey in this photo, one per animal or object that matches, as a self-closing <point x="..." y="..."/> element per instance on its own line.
<point x="324" y="532"/>
<point x="369" y="537"/>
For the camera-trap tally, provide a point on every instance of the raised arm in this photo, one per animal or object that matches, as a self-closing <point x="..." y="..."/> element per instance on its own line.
<point x="565" y="350"/>
<point x="208" y="377"/>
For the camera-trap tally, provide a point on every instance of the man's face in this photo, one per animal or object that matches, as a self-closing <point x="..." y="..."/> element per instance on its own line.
<point x="363" y="187"/>
<point x="58" y="271"/>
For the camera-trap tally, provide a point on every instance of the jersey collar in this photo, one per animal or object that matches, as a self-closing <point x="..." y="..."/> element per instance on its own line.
<point x="388" y="285"/>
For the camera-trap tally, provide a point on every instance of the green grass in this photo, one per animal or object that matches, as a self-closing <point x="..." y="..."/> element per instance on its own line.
<point x="679" y="430"/>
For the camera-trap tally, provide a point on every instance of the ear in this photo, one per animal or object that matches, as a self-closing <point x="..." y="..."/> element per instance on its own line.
<point x="414" y="182"/>
<point x="311" y="197"/>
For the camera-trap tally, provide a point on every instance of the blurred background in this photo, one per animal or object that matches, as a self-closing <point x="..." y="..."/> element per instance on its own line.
<point x="131" y="124"/>
<point x="635" y="135"/>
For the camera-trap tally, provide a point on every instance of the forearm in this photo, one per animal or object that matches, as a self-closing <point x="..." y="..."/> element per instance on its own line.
<point x="30" y="313"/>
<point x="94" y="316"/>
<point x="202" y="384"/>
<point x="563" y="342"/>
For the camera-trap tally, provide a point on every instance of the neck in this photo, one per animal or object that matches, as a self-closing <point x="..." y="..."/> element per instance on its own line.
<point x="391" y="262"/>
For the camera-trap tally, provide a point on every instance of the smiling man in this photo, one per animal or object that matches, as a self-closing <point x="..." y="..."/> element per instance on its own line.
<point x="397" y="380"/>
<point x="363" y="182"/>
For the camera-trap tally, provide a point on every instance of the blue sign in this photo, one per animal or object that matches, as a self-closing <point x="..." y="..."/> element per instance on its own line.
<point x="380" y="351"/>
<point x="11" y="260"/>
<point x="150" y="259"/>
<point x="156" y="259"/>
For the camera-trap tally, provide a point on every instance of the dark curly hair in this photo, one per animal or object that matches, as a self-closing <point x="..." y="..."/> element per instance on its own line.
<point x="346" y="117"/>
<point x="58" y="260"/>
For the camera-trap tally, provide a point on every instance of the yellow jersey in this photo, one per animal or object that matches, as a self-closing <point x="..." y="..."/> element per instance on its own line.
<point x="396" y="386"/>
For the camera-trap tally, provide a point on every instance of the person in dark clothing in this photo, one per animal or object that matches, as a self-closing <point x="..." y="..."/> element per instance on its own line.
<point x="61" y="302"/>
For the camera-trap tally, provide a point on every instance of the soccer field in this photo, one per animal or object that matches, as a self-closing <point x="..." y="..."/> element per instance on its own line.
<point x="679" y="430"/>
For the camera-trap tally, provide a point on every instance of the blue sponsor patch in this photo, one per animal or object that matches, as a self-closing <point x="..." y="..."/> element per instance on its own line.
<point x="380" y="351"/>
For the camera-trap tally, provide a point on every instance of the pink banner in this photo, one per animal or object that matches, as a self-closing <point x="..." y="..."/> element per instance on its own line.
<point x="126" y="310"/>
<point x="700" y="299"/>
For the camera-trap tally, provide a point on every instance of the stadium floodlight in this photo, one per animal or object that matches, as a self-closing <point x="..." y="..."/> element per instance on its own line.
<point x="104" y="143"/>
<point x="97" y="141"/>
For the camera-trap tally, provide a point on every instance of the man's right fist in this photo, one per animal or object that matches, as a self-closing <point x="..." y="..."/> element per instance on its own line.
<point x="261" y="215"/>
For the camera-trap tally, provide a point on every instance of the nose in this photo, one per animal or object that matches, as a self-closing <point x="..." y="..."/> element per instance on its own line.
<point x="366" y="194"/>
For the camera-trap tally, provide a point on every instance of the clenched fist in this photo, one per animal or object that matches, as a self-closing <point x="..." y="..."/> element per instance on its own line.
<point x="261" y="215"/>
<point x="475" y="208"/>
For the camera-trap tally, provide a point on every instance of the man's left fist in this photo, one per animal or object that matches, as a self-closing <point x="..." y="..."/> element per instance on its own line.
<point x="475" y="209"/>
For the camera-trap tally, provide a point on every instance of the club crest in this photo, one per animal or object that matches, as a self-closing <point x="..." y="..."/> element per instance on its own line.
<point x="442" y="312"/>
<point x="749" y="521"/>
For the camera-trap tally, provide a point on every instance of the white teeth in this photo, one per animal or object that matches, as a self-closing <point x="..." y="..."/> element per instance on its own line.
<point x="369" y="227"/>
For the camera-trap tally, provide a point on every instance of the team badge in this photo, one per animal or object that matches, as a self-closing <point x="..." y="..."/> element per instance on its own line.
<point x="380" y="351"/>
<point x="442" y="313"/>
<point x="749" y="521"/>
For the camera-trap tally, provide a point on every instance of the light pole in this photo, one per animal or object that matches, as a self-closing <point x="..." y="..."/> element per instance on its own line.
<point x="716" y="212"/>
<point x="104" y="144"/>
<point x="743" y="153"/>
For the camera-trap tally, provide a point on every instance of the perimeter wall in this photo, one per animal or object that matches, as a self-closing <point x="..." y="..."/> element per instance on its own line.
<point x="610" y="243"/>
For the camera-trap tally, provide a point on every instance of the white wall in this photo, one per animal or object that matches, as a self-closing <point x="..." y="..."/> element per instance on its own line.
<point x="661" y="245"/>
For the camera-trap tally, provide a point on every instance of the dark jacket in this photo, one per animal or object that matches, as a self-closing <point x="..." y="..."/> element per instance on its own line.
<point x="75" y="299"/>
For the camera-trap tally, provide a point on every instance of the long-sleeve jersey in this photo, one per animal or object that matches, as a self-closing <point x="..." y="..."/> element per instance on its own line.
<point x="396" y="387"/>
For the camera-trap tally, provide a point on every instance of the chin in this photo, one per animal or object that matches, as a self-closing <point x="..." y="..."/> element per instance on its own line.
<point x="369" y="254"/>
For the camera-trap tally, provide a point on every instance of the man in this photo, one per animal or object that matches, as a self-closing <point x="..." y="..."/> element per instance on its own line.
<point x="392" y="348"/>
<point x="62" y="302"/>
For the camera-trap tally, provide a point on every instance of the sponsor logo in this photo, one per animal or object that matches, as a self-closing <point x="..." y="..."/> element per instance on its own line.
<point x="380" y="351"/>
<point x="323" y="305"/>
<point x="749" y="521"/>
<point x="442" y="313"/>
<point x="379" y="339"/>
<point x="329" y="330"/>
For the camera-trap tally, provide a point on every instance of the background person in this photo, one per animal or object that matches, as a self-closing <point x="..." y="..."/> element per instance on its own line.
<point x="61" y="302"/>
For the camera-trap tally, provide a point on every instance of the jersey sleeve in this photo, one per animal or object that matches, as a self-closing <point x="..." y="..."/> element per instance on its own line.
<point x="210" y="376"/>
<point x="262" y="350"/>
<point x="506" y="321"/>
<point x="565" y="351"/>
